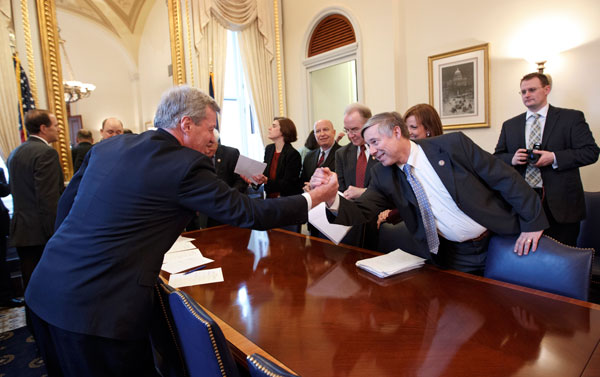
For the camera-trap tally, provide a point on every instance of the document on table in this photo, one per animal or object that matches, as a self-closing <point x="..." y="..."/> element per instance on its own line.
<point x="391" y="263"/>
<point x="248" y="167"/>
<point x="177" y="262"/>
<point x="181" y="246"/>
<point x="214" y="275"/>
<point x="318" y="218"/>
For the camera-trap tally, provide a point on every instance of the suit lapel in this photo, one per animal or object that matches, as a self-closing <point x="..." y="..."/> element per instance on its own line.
<point x="442" y="164"/>
<point x="550" y="125"/>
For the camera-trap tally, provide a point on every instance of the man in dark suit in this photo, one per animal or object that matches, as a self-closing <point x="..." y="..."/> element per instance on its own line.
<point x="36" y="182"/>
<point x="90" y="298"/>
<point x="84" y="143"/>
<point x="324" y="156"/>
<point x="353" y="164"/>
<point x="450" y="193"/>
<point x="224" y="159"/>
<point x="548" y="145"/>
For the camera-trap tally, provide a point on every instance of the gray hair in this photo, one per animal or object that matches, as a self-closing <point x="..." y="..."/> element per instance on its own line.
<point x="386" y="122"/>
<point x="361" y="109"/>
<point x="183" y="101"/>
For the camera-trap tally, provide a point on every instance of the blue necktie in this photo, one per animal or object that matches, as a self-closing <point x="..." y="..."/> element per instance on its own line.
<point x="426" y="213"/>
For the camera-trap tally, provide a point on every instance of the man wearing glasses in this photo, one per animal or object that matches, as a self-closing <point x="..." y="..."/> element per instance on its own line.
<point x="548" y="145"/>
<point x="352" y="165"/>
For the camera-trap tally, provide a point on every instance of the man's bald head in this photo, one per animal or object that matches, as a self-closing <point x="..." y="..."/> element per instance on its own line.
<point x="111" y="127"/>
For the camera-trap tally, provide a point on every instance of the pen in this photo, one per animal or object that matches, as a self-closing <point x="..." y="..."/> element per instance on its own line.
<point x="194" y="270"/>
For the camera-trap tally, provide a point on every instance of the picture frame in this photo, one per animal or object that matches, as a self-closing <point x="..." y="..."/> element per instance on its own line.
<point x="459" y="87"/>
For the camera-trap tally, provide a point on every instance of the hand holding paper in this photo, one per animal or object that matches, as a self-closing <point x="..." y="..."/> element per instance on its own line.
<point x="248" y="167"/>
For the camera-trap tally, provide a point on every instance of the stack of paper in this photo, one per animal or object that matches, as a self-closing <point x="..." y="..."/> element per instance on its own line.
<point x="213" y="275"/>
<point x="391" y="264"/>
<point x="182" y="256"/>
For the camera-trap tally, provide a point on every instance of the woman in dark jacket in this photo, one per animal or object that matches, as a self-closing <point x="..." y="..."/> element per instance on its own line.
<point x="282" y="174"/>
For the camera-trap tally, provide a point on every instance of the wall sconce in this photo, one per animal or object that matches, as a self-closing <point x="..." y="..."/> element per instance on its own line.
<point x="540" y="66"/>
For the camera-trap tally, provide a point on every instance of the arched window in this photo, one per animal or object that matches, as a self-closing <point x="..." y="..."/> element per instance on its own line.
<point x="332" y="32"/>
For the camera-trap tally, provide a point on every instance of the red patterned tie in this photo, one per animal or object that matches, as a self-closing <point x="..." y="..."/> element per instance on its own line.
<point x="361" y="167"/>
<point x="321" y="159"/>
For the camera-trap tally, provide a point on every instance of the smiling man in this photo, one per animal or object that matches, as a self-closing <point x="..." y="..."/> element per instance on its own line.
<point x="452" y="224"/>
<point x="548" y="145"/>
<point x="324" y="156"/>
<point x="90" y="298"/>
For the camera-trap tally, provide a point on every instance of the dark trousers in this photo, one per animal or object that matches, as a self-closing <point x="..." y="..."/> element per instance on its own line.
<point x="66" y="353"/>
<point x="566" y="233"/>
<point x="6" y="291"/>
<point x="468" y="256"/>
<point x="29" y="257"/>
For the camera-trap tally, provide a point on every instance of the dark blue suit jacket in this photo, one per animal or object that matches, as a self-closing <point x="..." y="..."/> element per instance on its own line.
<point x="483" y="187"/>
<point x="345" y="167"/>
<point x="122" y="211"/>
<point x="567" y="134"/>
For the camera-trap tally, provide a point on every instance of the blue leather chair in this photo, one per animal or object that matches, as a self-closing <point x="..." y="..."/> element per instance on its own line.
<point x="205" y="349"/>
<point x="262" y="367"/>
<point x="554" y="267"/>
<point x="168" y="356"/>
<point x="589" y="233"/>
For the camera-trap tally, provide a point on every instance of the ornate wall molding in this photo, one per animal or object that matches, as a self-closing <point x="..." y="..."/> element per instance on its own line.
<point x="49" y="41"/>
<point x="176" y="33"/>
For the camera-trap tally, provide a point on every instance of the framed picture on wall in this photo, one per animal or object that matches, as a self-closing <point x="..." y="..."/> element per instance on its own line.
<point x="459" y="87"/>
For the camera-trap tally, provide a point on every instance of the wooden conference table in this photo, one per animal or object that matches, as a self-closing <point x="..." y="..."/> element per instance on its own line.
<point x="303" y="301"/>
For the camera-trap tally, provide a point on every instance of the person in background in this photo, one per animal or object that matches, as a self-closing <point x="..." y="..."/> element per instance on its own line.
<point x="85" y="141"/>
<point x="282" y="174"/>
<point x="324" y="156"/>
<point x="548" y="145"/>
<point x="127" y="131"/>
<point x="309" y="145"/>
<point x="111" y="127"/>
<point x="36" y="182"/>
<point x="423" y="121"/>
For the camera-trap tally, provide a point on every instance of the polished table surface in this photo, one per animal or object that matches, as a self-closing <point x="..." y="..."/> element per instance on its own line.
<point x="304" y="302"/>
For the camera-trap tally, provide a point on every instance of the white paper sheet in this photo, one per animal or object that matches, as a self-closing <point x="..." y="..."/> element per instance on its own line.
<point x="172" y="257"/>
<point x="318" y="218"/>
<point x="214" y="275"/>
<point x="179" y="265"/>
<point x="181" y="246"/>
<point x="391" y="263"/>
<point x="248" y="167"/>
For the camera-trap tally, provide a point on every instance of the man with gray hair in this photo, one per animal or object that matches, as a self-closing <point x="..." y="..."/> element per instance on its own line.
<point x="451" y="223"/>
<point x="90" y="298"/>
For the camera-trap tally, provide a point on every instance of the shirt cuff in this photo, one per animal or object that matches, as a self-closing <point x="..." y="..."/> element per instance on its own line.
<point x="336" y="204"/>
<point x="308" y="200"/>
<point x="554" y="164"/>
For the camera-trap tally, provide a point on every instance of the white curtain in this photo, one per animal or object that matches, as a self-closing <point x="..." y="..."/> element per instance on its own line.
<point x="9" y="104"/>
<point x="254" y="18"/>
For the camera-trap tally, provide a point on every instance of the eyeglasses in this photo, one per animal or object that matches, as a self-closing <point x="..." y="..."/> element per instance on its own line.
<point x="353" y="131"/>
<point x="528" y="90"/>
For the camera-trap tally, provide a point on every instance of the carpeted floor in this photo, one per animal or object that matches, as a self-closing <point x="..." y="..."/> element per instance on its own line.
<point x="18" y="353"/>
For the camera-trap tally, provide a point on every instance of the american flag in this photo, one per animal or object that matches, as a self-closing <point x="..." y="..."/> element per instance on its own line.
<point x="26" y="101"/>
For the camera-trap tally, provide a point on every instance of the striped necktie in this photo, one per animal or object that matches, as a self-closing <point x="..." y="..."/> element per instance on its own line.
<point x="433" y="240"/>
<point x="533" y="176"/>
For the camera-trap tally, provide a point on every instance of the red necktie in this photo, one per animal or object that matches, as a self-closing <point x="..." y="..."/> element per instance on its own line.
<point x="361" y="167"/>
<point x="321" y="159"/>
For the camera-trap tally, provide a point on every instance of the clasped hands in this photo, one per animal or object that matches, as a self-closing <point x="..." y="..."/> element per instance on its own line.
<point x="324" y="178"/>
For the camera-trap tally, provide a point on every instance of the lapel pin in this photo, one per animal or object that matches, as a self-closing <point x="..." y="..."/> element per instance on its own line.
<point x="441" y="162"/>
<point x="218" y="160"/>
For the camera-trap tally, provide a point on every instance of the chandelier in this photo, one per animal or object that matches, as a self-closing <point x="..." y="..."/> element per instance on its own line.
<point x="74" y="90"/>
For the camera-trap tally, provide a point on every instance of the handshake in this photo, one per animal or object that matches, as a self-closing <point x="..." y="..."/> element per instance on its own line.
<point x="323" y="186"/>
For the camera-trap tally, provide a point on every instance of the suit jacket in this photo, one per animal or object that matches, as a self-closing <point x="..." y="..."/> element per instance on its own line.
<point x="36" y="182"/>
<point x="345" y="166"/>
<point x="121" y="212"/>
<point x="4" y="218"/>
<point x="312" y="158"/>
<point x="567" y="134"/>
<point x="78" y="154"/>
<point x="483" y="187"/>
<point x="225" y="160"/>
<point x="287" y="181"/>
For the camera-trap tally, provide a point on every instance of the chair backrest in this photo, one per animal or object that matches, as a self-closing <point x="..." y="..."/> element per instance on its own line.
<point x="262" y="367"/>
<point x="589" y="234"/>
<point x="205" y="349"/>
<point x="553" y="267"/>
<point x="168" y="356"/>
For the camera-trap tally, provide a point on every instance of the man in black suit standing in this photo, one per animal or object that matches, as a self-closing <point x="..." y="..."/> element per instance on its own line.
<point x="352" y="166"/>
<point x="324" y="156"/>
<point x="548" y="145"/>
<point x="36" y="182"/>
<point x="90" y="298"/>
<point x="84" y="143"/>
<point x="450" y="193"/>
